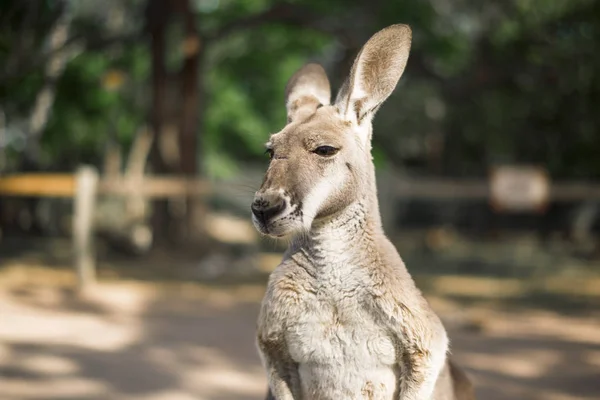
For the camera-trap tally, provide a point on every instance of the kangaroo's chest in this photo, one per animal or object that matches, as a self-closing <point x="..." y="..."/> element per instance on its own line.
<point x="338" y="332"/>
<point x="337" y="341"/>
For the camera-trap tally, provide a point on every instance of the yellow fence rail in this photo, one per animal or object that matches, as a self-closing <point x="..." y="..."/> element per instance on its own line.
<point x="64" y="185"/>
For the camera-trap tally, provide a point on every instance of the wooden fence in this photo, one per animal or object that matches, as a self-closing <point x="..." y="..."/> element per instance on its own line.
<point x="86" y="185"/>
<point x="64" y="185"/>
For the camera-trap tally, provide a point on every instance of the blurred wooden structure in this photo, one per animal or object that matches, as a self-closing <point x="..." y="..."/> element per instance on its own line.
<point x="439" y="188"/>
<point x="86" y="186"/>
<point x="523" y="188"/>
<point x="64" y="185"/>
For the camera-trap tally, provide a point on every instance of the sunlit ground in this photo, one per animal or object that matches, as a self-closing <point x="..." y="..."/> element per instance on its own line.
<point x="133" y="339"/>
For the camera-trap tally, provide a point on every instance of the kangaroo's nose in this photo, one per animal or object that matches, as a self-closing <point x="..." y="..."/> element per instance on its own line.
<point x="265" y="209"/>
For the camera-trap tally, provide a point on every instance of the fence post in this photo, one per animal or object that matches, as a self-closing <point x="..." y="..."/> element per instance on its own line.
<point x="86" y="186"/>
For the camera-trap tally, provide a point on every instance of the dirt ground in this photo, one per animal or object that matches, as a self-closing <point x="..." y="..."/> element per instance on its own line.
<point x="131" y="340"/>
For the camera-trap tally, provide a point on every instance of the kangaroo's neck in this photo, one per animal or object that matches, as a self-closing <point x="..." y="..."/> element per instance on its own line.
<point x="348" y="237"/>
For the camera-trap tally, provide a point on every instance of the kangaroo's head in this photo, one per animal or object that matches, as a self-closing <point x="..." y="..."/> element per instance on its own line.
<point x="321" y="161"/>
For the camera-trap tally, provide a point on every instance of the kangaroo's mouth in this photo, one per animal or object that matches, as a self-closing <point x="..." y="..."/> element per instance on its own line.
<point x="284" y="224"/>
<point x="268" y="228"/>
<point x="261" y="226"/>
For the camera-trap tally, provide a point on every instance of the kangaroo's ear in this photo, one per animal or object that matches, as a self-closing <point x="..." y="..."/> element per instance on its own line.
<point x="375" y="73"/>
<point x="307" y="90"/>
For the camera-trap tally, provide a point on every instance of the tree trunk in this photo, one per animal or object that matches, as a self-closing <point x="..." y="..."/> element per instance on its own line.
<point x="157" y="16"/>
<point x="189" y="123"/>
<point x="176" y="111"/>
<point x="189" y="92"/>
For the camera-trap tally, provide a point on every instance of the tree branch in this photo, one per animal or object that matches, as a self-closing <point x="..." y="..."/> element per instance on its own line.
<point x="53" y="70"/>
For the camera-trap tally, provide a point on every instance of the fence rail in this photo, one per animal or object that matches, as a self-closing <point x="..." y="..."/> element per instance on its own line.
<point x="440" y="189"/>
<point x="64" y="185"/>
<point x="85" y="185"/>
<point x="38" y="185"/>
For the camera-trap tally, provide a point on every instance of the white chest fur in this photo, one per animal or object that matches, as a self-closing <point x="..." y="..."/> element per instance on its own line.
<point x="341" y="351"/>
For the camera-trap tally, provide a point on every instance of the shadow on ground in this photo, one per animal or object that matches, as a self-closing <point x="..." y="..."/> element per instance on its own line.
<point x="130" y="341"/>
<point x="523" y="326"/>
<point x="133" y="346"/>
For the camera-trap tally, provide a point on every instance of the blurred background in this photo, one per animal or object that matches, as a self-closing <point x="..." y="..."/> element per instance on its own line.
<point x="131" y="143"/>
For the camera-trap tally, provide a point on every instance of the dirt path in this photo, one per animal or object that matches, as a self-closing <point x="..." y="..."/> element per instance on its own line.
<point x="126" y="341"/>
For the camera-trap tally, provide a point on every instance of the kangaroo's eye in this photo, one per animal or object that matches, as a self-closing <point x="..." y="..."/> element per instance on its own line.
<point x="270" y="153"/>
<point x="325" y="151"/>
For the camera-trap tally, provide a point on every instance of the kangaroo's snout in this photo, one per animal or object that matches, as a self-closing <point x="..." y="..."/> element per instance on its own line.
<point x="265" y="207"/>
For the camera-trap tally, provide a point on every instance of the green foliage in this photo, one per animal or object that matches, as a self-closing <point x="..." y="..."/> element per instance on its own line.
<point x="245" y="82"/>
<point x="500" y="81"/>
<point x="86" y="114"/>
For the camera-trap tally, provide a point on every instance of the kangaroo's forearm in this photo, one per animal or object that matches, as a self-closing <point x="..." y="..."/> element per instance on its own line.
<point x="283" y="380"/>
<point x="421" y="368"/>
<point x="280" y="388"/>
<point x="270" y="395"/>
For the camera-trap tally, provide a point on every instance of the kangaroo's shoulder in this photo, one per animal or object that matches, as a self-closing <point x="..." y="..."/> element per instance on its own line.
<point x="287" y="283"/>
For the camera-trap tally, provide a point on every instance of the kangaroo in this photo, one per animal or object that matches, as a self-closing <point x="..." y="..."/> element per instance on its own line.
<point x="341" y="317"/>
